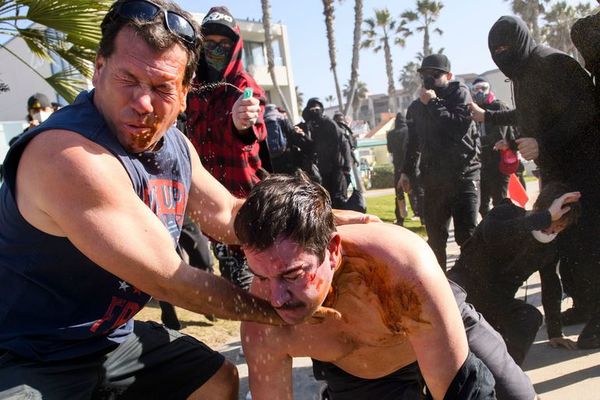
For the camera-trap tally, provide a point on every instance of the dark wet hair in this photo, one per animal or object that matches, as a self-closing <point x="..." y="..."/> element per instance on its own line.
<point x="552" y="191"/>
<point x="153" y="32"/>
<point x="286" y="207"/>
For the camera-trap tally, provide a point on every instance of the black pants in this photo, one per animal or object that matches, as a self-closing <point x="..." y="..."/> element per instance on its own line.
<point x="472" y="381"/>
<point x="458" y="200"/>
<point x="399" y="196"/>
<point x="153" y="363"/>
<point x="489" y="346"/>
<point x="494" y="187"/>
<point x="336" y="184"/>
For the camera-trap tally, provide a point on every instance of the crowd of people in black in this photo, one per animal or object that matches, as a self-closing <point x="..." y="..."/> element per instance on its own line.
<point x="453" y="153"/>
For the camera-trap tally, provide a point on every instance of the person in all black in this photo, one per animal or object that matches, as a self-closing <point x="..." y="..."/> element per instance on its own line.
<point x="507" y="247"/>
<point x="350" y="139"/>
<point x="277" y="123"/>
<point x="448" y="145"/>
<point x="397" y="139"/>
<point x="331" y="149"/>
<point x="494" y="183"/>
<point x="557" y="117"/>
<point x="585" y="35"/>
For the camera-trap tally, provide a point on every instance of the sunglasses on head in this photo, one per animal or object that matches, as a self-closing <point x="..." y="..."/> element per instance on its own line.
<point x="146" y="10"/>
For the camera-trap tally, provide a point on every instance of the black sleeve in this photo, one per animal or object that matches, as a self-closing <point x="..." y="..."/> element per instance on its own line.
<point x="571" y="107"/>
<point x="507" y="220"/>
<point x="411" y="157"/>
<point x="501" y="117"/>
<point x="452" y="112"/>
<point x="551" y="298"/>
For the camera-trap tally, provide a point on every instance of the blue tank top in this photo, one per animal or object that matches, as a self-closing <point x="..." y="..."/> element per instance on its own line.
<point x="55" y="303"/>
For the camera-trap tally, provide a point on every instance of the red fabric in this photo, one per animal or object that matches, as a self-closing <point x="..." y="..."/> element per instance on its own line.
<point x="516" y="191"/>
<point x="231" y="157"/>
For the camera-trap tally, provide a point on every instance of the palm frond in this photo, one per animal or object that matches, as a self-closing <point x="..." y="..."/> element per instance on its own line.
<point x="67" y="83"/>
<point x="78" y="19"/>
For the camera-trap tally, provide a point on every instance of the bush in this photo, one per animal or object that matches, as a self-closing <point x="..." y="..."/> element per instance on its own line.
<point x="382" y="177"/>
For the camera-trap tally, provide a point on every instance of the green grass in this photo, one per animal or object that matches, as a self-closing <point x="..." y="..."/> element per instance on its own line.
<point x="383" y="207"/>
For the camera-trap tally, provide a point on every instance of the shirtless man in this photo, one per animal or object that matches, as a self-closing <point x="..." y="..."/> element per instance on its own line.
<point x="396" y="305"/>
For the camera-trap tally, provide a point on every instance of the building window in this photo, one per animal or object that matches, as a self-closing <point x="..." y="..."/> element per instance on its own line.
<point x="254" y="54"/>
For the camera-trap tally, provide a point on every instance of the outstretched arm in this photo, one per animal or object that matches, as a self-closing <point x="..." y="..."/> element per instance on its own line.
<point x="269" y="367"/>
<point x="87" y="197"/>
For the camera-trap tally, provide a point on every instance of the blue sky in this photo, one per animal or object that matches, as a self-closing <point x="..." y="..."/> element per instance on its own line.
<point x="465" y="24"/>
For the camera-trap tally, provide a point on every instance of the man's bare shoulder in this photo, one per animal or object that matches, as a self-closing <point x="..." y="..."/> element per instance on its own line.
<point x="66" y="152"/>
<point x="60" y="169"/>
<point x="396" y="248"/>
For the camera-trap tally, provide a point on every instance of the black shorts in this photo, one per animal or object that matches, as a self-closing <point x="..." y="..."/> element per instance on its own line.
<point x="473" y="381"/>
<point x="154" y="363"/>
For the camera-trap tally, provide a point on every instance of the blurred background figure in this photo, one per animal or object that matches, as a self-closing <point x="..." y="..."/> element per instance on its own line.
<point x="494" y="182"/>
<point x="332" y="150"/>
<point x="397" y="139"/>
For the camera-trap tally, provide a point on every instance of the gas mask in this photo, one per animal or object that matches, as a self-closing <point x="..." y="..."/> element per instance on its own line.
<point x="41" y="115"/>
<point x="481" y="93"/>
<point x="217" y="54"/>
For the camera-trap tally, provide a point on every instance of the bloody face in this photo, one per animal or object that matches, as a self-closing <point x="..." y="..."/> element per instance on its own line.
<point x="292" y="279"/>
<point x="140" y="91"/>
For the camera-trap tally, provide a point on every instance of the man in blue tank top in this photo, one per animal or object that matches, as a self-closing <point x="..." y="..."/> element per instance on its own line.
<point x="91" y="209"/>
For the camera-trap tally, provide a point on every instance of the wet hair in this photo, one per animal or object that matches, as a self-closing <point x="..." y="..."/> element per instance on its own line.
<point x="552" y="191"/>
<point x="154" y="33"/>
<point x="286" y="207"/>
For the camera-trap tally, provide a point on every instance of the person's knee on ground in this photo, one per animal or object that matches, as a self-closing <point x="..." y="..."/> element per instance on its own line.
<point x="223" y="385"/>
<point x="520" y="333"/>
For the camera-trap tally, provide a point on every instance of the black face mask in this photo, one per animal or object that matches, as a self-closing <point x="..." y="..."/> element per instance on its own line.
<point x="316" y="114"/>
<point x="512" y="33"/>
<point x="429" y="82"/>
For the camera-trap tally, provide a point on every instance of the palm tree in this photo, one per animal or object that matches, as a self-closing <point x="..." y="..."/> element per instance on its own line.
<point x="328" y="11"/>
<point x="426" y="13"/>
<point x="559" y="19"/>
<point x="329" y="99"/>
<point x="383" y="21"/>
<point x="353" y="84"/>
<point x="299" y="98"/>
<point x="70" y="29"/>
<point x="530" y="11"/>
<point x="360" y="94"/>
<point x="266" y="9"/>
<point x="409" y="77"/>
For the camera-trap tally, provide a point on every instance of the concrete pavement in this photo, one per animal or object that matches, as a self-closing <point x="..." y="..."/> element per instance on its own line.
<point x="557" y="374"/>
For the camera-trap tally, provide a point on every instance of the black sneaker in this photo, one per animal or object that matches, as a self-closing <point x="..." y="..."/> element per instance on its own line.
<point x="573" y="316"/>
<point x="590" y="335"/>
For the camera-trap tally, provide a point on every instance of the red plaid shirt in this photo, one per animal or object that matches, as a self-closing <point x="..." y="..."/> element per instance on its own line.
<point x="230" y="156"/>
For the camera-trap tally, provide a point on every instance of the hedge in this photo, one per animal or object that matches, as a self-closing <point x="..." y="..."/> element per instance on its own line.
<point x="382" y="176"/>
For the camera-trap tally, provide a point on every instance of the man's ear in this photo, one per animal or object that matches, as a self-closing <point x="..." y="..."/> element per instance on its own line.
<point x="450" y="75"/>
<point x="183" y="98"/>
<point x="99" y="64"/>
<point x="335" y="250"/>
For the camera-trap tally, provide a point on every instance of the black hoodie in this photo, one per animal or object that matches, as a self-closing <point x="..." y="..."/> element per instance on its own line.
<point x="443" y="143"/>
<point x="554" y="99"/>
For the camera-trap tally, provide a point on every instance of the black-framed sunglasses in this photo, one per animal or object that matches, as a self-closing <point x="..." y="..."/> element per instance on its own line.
<point x="435" y="74"/>
<point x="146" y="10"/>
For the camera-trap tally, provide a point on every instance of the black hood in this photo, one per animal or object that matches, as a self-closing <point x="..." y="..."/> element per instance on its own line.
<point x="400" y="122"/>
<point x="512" y="32"/>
